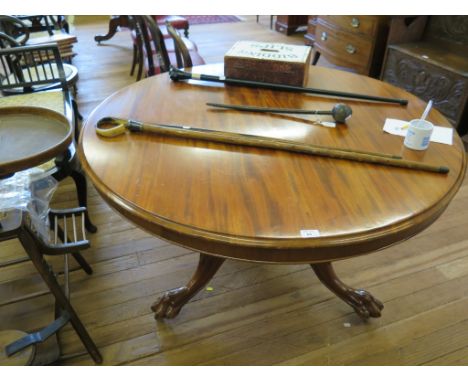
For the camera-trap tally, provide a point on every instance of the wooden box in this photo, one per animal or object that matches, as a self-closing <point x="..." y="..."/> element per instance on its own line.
<point x="268" y="62"/>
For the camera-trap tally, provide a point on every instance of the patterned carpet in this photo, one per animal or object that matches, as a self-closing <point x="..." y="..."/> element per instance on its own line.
<point x="211" y="19"/>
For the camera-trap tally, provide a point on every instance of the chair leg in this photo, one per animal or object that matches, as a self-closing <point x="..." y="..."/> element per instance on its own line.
<point x="76" y="118"/>
<point x="47" y="275"/>
<point x="82" y="193"/>
<point x="76" y="125"/>
<point x="75" y="109"/>
<point x="82" y="262"/>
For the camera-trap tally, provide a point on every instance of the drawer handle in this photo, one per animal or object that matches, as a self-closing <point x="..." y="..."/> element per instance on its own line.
<point x="350" y="49"/>
<point x="355" y="22"/>
<point x="324" y="36"/>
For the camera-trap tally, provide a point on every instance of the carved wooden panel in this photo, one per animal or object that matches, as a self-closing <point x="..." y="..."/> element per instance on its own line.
<point x="450" y="28"/>
<point x="447" y="89"/>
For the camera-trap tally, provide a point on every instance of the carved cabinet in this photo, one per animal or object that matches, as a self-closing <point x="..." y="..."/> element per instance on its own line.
<point x="435" y="67"/>
<point x="353" y="42"/>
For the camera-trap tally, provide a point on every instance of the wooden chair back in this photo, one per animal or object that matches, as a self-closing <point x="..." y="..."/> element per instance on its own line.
<point x="48" y="23"/>
<point x="153" y="42"/>
<point x="32" y="68"/>
<point x="14" y="28"/>
<point x="183" y="58"/>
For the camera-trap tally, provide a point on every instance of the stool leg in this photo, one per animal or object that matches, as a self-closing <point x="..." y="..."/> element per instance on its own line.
<point x="29" y="244"/>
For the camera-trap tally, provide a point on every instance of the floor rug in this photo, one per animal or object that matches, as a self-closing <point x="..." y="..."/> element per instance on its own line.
<point x="211" y="19"/>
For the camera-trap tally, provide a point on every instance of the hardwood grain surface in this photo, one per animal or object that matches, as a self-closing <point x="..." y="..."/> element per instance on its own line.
<point x="253" y="203"/>
<point x="255" y="313"/>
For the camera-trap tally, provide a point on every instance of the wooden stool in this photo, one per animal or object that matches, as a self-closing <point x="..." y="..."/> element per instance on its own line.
<point x="15" y="225"/>
<point x="22" y="358"/>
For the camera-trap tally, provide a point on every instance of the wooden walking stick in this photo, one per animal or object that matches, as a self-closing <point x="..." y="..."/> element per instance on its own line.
<point x="111" y="127"/>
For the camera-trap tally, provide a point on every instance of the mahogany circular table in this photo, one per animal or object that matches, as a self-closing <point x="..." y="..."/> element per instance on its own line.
<point x="265" y="205"/>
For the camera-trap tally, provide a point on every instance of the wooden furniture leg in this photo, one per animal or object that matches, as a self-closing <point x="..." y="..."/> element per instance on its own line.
<point x="170" y="304"/>
<point x="114" y="23"/>
<point x="362" y="301"/>
<point x="82" y="194"/>
<point x="315" y="58"/>
<point x="47" y="275"/>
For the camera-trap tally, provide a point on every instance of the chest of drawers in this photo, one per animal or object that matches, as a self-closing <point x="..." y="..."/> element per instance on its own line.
<point x="289" y="24"/>
<point x="309" y="37"/>
<point x="353" y="42"/>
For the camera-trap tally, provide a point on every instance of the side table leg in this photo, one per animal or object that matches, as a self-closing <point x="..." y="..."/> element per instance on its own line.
<point x="170" y="304"/>
<point x="114" y="23"/>
<point x="362" y="301"/>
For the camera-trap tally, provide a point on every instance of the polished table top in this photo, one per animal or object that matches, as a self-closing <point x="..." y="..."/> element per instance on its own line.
<point x="252" y="203"/>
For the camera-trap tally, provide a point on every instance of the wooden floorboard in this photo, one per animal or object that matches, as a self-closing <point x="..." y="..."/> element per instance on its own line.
<point x="253" y="314"/>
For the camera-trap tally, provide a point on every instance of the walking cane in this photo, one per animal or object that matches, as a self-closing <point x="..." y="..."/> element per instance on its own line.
<point x="111" y="127"/>
<point x="177" y="75"/>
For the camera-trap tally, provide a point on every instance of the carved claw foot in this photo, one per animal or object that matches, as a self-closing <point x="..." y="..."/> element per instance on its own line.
<point x="170" y="304"/>
<point x="362" y="301"/>
<point x="364" y="304"/>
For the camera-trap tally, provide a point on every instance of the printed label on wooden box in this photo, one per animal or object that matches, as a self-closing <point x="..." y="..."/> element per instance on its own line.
<point x="268" y="62"/>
